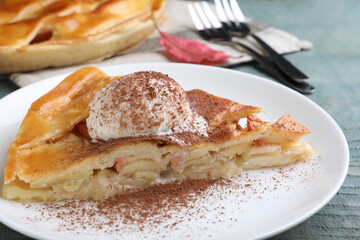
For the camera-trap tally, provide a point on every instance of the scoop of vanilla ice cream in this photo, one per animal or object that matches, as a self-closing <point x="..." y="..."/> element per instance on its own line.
<point x="141" y="103"/>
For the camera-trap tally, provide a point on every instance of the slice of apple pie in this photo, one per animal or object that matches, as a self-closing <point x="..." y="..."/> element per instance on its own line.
<point x="95" y="136"/>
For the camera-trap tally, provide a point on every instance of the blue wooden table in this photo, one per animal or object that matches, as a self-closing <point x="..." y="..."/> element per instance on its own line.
<point x="334" y="67"/>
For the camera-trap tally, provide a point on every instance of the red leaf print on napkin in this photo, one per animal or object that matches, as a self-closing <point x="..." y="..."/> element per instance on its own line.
<point x="191" y="51"/>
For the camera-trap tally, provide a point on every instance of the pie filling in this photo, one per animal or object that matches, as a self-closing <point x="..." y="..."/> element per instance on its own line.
<point x="74" y="165"/>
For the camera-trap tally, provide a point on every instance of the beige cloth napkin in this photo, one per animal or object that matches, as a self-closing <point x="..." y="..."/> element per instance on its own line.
<point x="178" y="23"/>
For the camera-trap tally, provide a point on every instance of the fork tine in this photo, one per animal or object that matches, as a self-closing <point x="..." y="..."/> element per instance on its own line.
<point x="211" y="16"/>
<point x="237" y="11"/>
<point x="226" y="16"/>
<point x="240" y="18"/>
<point x="195" y="18"/>
<point x="202" y="16"/>
<point x="204" y="30"/>
<point x="220" y="11"/>
<point x="228" y="11"/>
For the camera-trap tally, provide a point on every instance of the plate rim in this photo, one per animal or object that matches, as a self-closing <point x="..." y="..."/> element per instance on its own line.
<point x="329" y="196"/>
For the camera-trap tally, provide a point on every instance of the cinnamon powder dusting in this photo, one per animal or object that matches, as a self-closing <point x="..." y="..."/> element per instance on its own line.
<point x="173" y="210"/>
<point x="287" y="123"/>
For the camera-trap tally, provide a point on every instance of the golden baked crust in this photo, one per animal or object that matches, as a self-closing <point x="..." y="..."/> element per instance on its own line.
<point x="38" y="34"/>
<point x="52" y="159"/>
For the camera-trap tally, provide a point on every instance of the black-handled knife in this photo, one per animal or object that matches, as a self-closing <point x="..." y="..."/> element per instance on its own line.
<point x="286" y="67"/>
<point x="302" y="87"/>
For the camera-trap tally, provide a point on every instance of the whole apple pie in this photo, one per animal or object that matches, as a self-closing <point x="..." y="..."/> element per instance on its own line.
<point x="36" y="34"/>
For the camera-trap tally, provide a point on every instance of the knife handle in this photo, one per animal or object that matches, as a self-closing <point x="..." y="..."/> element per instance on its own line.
<point x="302" y="87"/>
<point x="284" y="65"/>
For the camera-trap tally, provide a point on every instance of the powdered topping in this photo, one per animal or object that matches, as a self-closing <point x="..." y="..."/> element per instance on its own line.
<point x="215" y="109"/>
<point x="191" y="209"/>
<point x="208" y="105"/>
<point x="287" y="123"/>
<point x="142" y="103"/>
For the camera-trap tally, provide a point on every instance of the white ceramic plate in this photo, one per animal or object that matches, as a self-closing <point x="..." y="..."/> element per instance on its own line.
<point x="259" y="213"/>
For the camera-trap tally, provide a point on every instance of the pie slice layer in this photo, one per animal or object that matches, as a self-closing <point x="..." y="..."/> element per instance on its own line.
<point x="61" y="153"/>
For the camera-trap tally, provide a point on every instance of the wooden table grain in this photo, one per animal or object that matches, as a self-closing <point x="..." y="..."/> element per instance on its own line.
<point x="334" y="67"/>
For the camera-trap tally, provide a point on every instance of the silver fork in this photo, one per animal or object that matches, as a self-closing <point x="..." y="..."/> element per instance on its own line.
<point x="211" y="29"/>
<point x="232" y="18"/>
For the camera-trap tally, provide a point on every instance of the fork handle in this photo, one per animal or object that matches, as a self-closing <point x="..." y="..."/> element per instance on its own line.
<point x="284" y="65"/>
<point x="302" y="87"/>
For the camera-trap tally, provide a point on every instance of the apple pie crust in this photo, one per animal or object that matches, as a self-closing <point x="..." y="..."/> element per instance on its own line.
<point x="37" y="34"/>
<point x="52" y="158"/>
